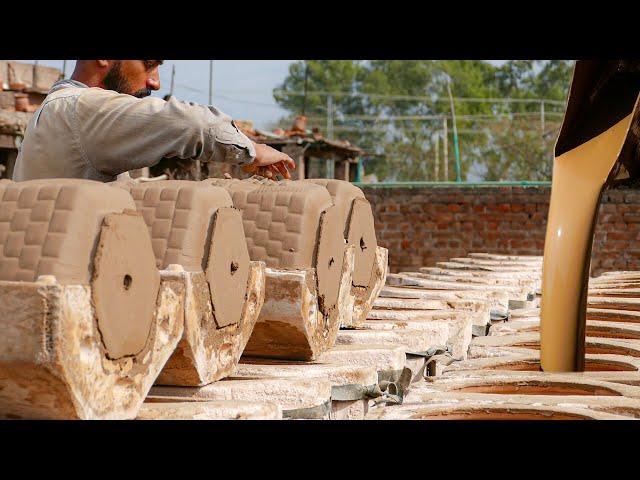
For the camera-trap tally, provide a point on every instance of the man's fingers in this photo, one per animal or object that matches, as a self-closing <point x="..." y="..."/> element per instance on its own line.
<point x="289" y="162"/>
<point x="268" y="173"/>
<point x="283" y="170"/>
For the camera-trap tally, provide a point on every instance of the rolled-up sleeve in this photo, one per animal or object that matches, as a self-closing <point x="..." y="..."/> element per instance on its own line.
<point x="119" y="132"/>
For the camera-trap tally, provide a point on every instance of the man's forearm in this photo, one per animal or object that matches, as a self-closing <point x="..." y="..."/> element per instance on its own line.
<point x="120" y="133"/>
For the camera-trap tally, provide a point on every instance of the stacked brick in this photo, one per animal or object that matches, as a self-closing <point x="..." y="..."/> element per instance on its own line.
<point x="455" y="339"/>
<point x="501" y="378"/>
<point x="422" y="225"/>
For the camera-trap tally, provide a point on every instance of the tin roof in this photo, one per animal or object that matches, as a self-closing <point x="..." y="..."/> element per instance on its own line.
<point x="299" y="135"/>
<point x="27" y="77"/>
<point x="13" y="123"/>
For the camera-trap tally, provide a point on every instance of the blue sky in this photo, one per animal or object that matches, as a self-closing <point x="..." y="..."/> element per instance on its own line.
<point x="241" y="88"/>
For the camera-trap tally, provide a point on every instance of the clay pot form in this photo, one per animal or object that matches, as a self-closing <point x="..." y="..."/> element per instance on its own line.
<point x="300" y="124"/>
<point x="195" y="232"/>
<point x="21" y="103"/>
<point x="470" y="410"/>
<point x="17" y="86"/>
<point x="86" y="325"/>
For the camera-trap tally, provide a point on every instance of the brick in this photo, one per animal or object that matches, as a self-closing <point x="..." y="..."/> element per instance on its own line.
<point x="443" y="222"/>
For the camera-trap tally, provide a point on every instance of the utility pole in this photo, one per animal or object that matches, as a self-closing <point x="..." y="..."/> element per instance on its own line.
<point x="542" y="117"/>
<point x="64" y="69"/>
<point x="436" y="165"/>
<point x="173" y="76"/>
<point x="34" y="74"/>
<point x="445" y="145"/>
<point x="329" y="163"/>
<point x="210" y="82"/>
<point x="455" y="134"/>
<point x="306" y="78"/>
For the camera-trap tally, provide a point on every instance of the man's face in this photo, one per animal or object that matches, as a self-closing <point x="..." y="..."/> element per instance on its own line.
<point x="133" y="77"/>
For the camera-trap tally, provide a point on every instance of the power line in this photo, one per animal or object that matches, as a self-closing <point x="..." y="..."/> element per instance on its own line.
<point x="470" y="117"/>
<point x="423" y="98"/>
<point x="187" y="87"/>
<point x="250" y="102"/>
<point x="384" y="130"/>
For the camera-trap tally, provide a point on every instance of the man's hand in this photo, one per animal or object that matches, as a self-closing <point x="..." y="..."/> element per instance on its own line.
<point x="269" y="162"/>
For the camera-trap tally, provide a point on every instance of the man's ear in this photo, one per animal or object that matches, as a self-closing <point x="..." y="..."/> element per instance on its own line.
<point x="103" y="63"/>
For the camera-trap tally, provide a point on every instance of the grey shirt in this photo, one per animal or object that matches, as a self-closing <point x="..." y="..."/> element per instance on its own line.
<point x="97" y="134"/>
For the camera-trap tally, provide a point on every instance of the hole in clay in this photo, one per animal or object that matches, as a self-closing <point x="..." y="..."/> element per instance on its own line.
<point x="331" y="261"/>
<point x="497" y="414"/>
<point x="589" y="366"/>
<point x="362" y="244"/>
<point x="594" y="348"/>
<point x="126" y="282"/>
<point x="603" y="332"/>
<point x="234" y="267"/>
<point x="539" y="388"/>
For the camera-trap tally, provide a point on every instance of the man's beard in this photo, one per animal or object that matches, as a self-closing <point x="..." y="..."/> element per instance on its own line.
<point x="114" y="80"/>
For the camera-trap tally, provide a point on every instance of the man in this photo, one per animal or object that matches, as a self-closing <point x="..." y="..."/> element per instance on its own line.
<point x="103" y="122"/>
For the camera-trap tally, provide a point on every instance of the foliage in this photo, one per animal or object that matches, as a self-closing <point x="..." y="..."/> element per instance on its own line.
<point x="498" y="140"/>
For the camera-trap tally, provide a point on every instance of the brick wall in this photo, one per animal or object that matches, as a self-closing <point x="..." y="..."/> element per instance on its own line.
<point x="422" y="225"/>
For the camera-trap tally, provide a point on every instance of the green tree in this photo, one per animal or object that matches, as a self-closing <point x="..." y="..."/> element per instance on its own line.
<point x="499" y="141"/>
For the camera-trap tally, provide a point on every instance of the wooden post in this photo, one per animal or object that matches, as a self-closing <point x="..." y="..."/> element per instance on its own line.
<point x="173" y="76"/>
<point x="12" y="156"/>
<point x="330" y="162"/>
<point x="210" y="82"/>
<point x="34" y="75"/>
<point x="455" y="134"/>
<point x="296" y="152"/>
<point x="436" y="165"/>
<point x="445" y="145"/>
<point x="302" y="171"/>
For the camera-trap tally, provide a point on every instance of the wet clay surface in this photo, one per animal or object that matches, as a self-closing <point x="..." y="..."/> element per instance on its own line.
<point x="579" y="176"/>
<point x="538" y="389"/>
<point x="281" y="219"/>
<point x="292" y="225"/>
<point x="51" y="227"/>
<point x="271" y="339"/>
<point x="502" y="376"/>
<point x="58" y="367"/>
<point x="194" y="225"/>
<point x="498" y="414"/>
<point x="179" y="216"/>
<point x="228" y="266"/>
<point x="124" y="285"/>
<point x="329" y="260"/>
<point x="589" y="366"/>
<point x="361" y="233"/>
<point x="359" y="230"/>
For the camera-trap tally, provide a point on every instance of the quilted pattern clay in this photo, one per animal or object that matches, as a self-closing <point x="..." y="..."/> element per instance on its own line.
<point x="359" y="228"/>
<point x="194" y="225"/>
<point x="50" y="227"/>
<point x="81" y="232"/>
<point x="291" y="225"/>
